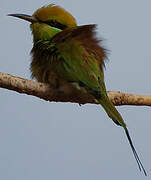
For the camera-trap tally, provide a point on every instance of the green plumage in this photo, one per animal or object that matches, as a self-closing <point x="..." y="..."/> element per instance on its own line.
<point x="73" y="55"/>
<point x="63" y="51"/>
<point x="70" y="56"/>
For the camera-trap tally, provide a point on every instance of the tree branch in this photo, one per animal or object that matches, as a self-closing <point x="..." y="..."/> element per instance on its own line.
<point x="67" y="92"/>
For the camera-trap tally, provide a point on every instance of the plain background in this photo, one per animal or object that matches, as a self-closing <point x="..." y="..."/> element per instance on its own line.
<point x="63" y="141"/>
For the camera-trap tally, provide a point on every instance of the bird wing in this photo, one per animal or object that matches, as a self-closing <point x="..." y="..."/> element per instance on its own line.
<point x="82" y="55"/>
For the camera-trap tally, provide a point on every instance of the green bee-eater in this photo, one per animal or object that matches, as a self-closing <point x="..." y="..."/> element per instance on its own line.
<point x="63" y="51"/>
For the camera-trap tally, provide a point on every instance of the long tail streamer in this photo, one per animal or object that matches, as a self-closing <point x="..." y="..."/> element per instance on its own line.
<point x="140" y="165"/>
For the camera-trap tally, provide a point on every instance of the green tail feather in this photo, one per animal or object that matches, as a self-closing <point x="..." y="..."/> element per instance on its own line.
<point x="111" y="111"/>
<point x="117" y="118"/>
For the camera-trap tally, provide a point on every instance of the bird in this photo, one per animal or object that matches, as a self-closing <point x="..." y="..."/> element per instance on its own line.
<point x="64" y="51"/>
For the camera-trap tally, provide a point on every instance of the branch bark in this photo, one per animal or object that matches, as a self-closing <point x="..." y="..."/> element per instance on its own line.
<point x="67" y="92"/>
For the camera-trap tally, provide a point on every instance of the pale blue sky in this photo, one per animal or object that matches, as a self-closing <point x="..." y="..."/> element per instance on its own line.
<point x="63" y="141"/>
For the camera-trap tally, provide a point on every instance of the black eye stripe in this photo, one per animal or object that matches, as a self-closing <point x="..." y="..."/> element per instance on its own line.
<point x="56" y="24"/>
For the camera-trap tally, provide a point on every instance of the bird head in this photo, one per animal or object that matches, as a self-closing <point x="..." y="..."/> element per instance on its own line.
<point x="48" y="21"/>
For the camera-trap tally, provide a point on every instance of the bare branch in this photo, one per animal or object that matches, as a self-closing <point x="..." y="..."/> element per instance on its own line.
<point x="67" y="92"/>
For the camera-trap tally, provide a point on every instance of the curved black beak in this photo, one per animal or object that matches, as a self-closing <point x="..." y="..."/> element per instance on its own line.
<point x="25" y="17"/>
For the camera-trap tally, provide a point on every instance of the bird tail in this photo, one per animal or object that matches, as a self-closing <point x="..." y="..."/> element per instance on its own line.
<point x="117" y="118"/>
<point x="111" y="111"/>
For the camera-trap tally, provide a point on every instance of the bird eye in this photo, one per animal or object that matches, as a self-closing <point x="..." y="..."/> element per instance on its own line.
<point x="53" y="22"/>
<point x="56" y="24"/>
